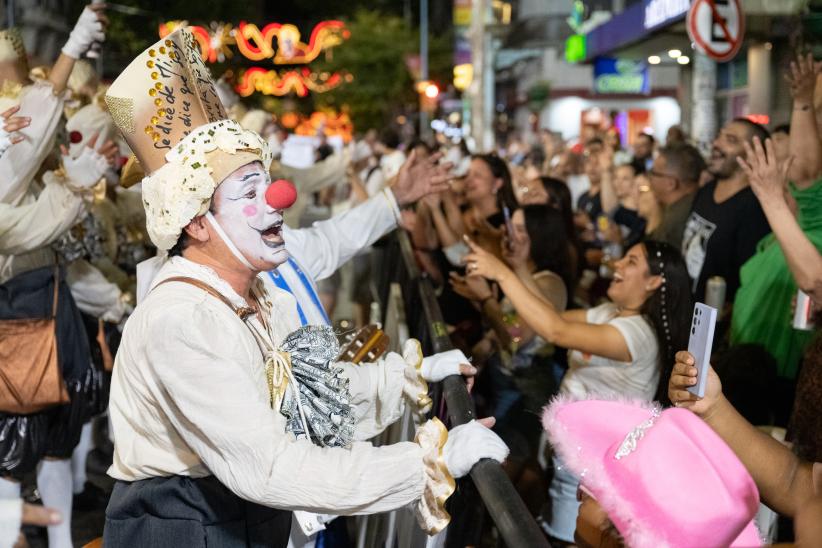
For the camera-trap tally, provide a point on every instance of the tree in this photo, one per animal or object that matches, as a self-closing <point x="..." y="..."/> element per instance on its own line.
<point x="376" y="56"/>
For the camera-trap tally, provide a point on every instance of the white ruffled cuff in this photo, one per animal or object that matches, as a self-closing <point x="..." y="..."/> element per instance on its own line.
<point x="416" y="388"/>
<point x="439" y="484"/>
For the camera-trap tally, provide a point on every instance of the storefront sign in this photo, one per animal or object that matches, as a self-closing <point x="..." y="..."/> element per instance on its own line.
<point x="575" y="48"/>
<point x="633" y="24"/>
<point x="659" y="12"/>
<point x="621" y="76"/>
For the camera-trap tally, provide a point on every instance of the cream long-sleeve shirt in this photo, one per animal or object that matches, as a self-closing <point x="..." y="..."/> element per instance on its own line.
<point x="27" y="229"/>
<point x="189" y="397"/>
<point x="327" y="245"/>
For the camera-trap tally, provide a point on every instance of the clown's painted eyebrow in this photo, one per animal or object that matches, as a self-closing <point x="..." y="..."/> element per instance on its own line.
<point x="245" y="185"/>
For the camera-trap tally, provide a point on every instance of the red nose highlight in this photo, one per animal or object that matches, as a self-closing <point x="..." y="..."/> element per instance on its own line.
<point x="281" y="194"/>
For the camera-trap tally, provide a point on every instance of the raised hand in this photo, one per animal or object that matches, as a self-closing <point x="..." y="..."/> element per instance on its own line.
<point x="605" y="160"/>
<point x="89" y="29"/>
<point x="767" y="178"/>
<point x="90" y="165"/>
<point x="482" y="263"/>
<point x="420" y="177"/>
<point x="802" y="78"/>
<point x="683" y="377"/>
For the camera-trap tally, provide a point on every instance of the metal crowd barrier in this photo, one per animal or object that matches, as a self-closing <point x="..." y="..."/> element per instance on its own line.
<point x="393" y="262"/>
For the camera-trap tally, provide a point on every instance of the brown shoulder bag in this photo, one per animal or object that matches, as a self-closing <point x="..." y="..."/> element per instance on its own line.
<point x="30" y="376"/>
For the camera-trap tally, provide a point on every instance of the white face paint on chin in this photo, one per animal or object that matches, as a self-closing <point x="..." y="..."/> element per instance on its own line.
<point x="253" y="226"/>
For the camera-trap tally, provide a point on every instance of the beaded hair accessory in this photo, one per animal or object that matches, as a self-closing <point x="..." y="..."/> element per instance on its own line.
<point x="664" y="299"/>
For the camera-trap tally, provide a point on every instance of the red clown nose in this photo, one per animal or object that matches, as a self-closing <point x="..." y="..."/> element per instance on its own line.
<point x="281" y="194"/>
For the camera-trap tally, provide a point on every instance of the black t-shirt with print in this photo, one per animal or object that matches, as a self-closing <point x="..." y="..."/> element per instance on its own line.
<point x="591" y="205"/>
<point x="719" y="238"/>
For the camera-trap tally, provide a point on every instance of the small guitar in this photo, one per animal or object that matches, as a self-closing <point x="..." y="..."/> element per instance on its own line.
<point x="366" y="345"/>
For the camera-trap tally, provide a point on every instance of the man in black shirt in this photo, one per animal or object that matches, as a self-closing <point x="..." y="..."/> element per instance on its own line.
<point x="726" y="221"/>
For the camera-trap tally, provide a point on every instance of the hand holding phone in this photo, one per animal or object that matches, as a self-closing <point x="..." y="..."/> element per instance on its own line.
<point x="700" y="345"/>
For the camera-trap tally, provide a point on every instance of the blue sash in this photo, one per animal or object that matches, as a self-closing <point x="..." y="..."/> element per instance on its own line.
<point x="280" y="282"/>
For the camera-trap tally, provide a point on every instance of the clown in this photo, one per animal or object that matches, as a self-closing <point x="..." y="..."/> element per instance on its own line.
<point x="217" y="394"/>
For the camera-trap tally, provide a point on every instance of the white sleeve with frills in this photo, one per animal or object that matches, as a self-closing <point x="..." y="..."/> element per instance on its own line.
<point x="20" y="164"/>
<point x="24" y="228"/>
<point x="219" y="406"/>
<point x="380" y="391"/>
<point x="327" y="245"/>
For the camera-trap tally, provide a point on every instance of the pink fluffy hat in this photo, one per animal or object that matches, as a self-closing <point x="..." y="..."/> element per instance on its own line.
<point x="664" y="478"/>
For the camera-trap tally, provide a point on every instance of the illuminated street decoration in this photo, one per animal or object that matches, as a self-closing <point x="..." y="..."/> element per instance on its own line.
<point x="214" y="44"/>
<point x="279" y="42"/>
<point x="257" y="45"/>
<point x="327" y="122"/>
<point x="272" y="82"/>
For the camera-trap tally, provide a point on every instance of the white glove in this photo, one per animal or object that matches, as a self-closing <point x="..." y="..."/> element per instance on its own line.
<point x="437" y="367"/>
<point x="469" y="443"/>
<point x="87" y="169"/>
<point x="87" y="31"/>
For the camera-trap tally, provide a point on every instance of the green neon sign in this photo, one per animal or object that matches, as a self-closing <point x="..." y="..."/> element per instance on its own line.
<point x="575" y="49"/>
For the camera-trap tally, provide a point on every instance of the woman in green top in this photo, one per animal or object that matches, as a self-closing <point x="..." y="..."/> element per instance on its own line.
<point x="763" y="308"/>
<point x="790" y="257"/>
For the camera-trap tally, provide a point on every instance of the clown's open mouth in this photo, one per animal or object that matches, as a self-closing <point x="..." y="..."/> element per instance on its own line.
<point x="272" y="236"/>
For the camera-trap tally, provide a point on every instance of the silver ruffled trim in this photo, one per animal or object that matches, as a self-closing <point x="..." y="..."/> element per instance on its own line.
<point x="323" y="392"/>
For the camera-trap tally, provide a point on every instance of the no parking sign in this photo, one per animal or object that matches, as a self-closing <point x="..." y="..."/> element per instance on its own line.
<point x="717" y="27"/>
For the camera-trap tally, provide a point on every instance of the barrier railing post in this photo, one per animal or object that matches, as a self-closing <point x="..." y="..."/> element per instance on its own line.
<point x="512" y="518"/>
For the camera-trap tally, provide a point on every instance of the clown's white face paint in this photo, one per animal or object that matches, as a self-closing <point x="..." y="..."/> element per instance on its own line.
<point x="253" y="226"/>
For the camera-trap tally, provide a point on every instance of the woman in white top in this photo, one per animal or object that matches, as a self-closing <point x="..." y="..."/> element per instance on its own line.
<point x="623" y="347"/>
<point x="538" y="253"/>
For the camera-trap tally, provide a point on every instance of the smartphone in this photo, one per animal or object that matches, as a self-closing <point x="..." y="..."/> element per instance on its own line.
<point x="700" y="345"/>
<point x="509" y="227"/>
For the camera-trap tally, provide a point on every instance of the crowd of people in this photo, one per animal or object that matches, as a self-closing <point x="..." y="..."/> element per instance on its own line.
<point x="572" y="268"/>
<point x="183" y="304"/>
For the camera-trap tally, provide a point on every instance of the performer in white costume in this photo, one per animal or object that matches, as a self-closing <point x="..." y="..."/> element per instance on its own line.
<point x="30" y="279"/>
<point x="225" y="418"/>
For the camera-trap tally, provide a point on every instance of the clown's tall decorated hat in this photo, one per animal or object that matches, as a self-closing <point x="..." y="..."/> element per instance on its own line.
<point x="167" y="108"/>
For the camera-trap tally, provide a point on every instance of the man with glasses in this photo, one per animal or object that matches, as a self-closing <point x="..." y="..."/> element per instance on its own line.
<point x="674" y="180"/>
